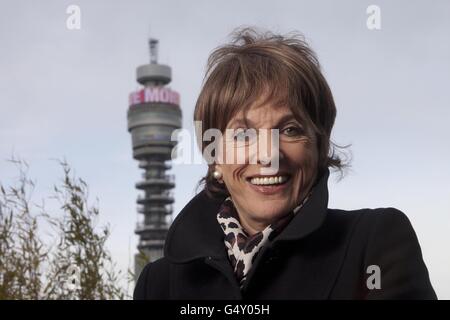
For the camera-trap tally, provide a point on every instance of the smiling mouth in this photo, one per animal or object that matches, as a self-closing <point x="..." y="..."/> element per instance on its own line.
<point x="269" y="180"/>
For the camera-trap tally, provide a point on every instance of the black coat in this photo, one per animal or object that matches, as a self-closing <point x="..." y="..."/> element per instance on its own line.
<point x="321" y="254"/>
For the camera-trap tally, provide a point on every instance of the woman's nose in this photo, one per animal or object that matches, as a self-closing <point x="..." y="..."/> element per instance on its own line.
<point x="267" y="150"/>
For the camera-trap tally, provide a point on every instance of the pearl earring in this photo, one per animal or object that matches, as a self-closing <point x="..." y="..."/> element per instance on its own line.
<point x="217" y="175"/>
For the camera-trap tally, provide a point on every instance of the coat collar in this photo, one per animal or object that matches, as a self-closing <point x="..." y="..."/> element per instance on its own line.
<point x="195" y="233"/>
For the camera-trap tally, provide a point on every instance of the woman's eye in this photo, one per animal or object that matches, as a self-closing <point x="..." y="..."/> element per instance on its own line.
<point x="239" y="134"/>
<point x="293" y="131"/>
<point x="242" y="134"/>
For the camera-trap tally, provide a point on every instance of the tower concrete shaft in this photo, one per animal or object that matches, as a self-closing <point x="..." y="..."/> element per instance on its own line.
<point x="153" y="114"/>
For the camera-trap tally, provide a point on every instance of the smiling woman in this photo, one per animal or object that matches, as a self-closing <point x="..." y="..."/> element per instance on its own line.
<point x="275" y="195"/>
<point x="249" y="235"/>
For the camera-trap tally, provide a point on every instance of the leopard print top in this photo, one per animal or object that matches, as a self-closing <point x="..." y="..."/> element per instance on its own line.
<point x="242" y="249"/>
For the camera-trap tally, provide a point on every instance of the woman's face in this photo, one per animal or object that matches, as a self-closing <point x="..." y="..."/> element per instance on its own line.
<point x="260" y="202"/>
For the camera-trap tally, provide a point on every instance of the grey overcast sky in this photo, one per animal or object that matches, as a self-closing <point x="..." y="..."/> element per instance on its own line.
<point x="63" y="93"/>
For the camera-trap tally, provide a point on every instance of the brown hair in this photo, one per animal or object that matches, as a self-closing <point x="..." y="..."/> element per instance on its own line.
<point x="266" y="67"/>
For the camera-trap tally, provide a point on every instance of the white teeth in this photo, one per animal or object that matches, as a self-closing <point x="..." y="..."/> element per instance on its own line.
<point x="268" y="181"/>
